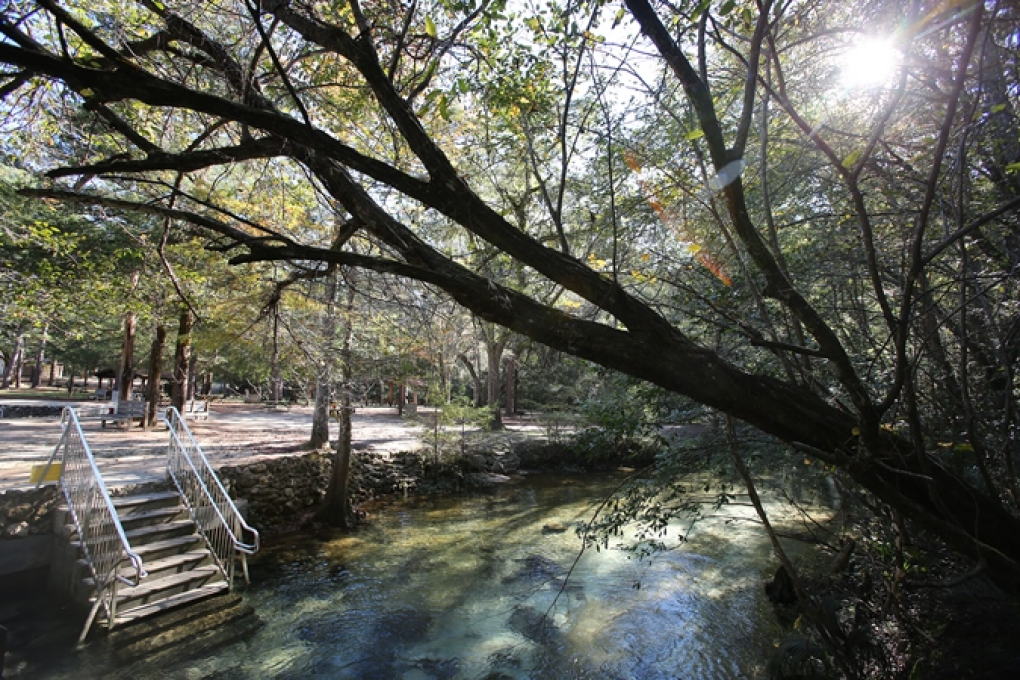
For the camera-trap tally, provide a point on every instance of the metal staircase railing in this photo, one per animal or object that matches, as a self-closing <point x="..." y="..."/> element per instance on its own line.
<point x="211" y="507"/>
<point x="105" y="547"/>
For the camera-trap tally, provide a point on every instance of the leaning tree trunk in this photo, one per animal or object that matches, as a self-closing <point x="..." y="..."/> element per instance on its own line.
<point x="182" y="357"/>
<point x="155" y="375"/>
<point x="12" y="372"/>
<point x="476" y="382"/>
<point x="336" y="506"/>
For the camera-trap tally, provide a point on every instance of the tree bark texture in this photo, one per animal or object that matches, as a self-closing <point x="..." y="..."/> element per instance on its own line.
<point x="154" y="390"/>
<point x="12" y="371"/>
<point x="182" y="360"/>
<point x="336" y="507"/>
<point x="40" y="359"/>
<point x="324" y="376"/>
<point x="125" y="373"/>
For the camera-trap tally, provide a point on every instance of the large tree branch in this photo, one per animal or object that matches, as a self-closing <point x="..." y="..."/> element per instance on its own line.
<point x="266" y="147"/>
<point x="449" y="193"/>
<point x="779" y="286"/>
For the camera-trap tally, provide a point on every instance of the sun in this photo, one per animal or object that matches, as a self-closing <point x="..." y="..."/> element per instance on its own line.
<point x="869" y="64"/>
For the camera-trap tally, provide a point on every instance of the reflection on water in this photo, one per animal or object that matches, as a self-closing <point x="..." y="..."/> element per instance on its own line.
<point x="487" y="587"/>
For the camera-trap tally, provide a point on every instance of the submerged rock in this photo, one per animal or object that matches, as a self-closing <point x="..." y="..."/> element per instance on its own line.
<point x="402" y="626"/>
<point x="533" y="624"/>
<point x="534" y="568"/>
<point x="438" y="669"/>
<point x="485" y="479"/>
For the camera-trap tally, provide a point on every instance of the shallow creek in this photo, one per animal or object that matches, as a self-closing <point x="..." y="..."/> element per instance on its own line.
<point x="486" y="586"/>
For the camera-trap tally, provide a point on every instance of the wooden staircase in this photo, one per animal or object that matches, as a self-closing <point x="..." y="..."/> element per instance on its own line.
<point x="127" y="558"/>
<point x="179" y="567"/>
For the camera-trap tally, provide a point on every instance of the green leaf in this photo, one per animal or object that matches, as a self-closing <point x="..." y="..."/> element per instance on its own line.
<point x="697" y="133"/>
<point x="1013" y="168"/>
<point x="727" y="7"/>
<point x="430" y="27"/>
<point x="999" y="108"/>
<point x="699" y="10"/>
<point x="851" y="158"/>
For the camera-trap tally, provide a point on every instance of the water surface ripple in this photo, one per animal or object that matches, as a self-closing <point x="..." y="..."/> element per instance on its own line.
<point x="476" y="587"/>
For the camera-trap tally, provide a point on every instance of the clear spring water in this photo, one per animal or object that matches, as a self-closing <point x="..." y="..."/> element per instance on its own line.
<point x="477" y="587"/>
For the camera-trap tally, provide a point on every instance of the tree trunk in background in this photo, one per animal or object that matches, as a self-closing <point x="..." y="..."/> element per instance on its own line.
<point x="276" y="382"/>
<point x="155" y="375"/>
<point x="336" y="506"/>
<point x="182" y="355"/>
<point x="53" y="373"/>
<point x="320" y="414"/>
<point x="12" y="371"/>
<point x="192" y="375"/>
<point x="324" y="376"/>
<point x="445" y="384"/>
<point x="495" y="342"/>
<point x="40" y="359"/>
<point x="510" y="387"/>
<point x="476" y="382"/>
<point x="126" y="371"/>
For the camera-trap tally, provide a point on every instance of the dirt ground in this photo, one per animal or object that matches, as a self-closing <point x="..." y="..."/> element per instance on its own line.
<point x="234" y="433"/>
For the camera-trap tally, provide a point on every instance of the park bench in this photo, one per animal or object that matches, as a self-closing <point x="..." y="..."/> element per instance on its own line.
<point x="124" y="412"/>
<point x="92" y="411"/>
<point x="197" y="409"/>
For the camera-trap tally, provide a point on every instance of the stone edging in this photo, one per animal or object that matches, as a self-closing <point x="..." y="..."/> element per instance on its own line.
<point x="280" y="490"/>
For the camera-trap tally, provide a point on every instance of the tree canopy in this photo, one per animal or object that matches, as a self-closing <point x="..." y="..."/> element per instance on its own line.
<point x="691" y="193"/>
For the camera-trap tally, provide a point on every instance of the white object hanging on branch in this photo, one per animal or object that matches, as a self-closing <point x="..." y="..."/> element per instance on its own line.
<point x="726" y="176"/>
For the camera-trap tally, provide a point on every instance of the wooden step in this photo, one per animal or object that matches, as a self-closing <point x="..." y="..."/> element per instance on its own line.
<point x="143" y="527"/>
<point x="170" y="602"/>
<point x="142" y="535"/>
<point x="127" y="505"/>
<point x="174" y="564"/>
<point x="151" y="590"/>
<point x="156" y="568"/>
<point x="137" y="538"/>
<point x="170" y="546"/>
<point x="152" y="517"/>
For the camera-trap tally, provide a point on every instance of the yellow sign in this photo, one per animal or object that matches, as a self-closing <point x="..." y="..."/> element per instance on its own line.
<point x="52" y="475"/>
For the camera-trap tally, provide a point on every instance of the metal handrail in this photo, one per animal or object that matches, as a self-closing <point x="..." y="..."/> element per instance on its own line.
<point x="104" y="544"/>
<point x="211" y="507"/>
